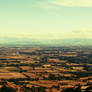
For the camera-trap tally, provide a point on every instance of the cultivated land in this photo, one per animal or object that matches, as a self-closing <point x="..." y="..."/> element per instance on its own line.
<point x="46" y="69"/>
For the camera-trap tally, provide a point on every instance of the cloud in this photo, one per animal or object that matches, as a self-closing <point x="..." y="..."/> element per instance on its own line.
<point x="43" y="4"/>
<point x="82" y="33"/>
<point x="73" y="3"/>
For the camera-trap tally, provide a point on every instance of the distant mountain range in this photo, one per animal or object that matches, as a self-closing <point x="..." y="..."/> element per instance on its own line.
<point x="73" y="42"/>
<point x="54" y="42"/>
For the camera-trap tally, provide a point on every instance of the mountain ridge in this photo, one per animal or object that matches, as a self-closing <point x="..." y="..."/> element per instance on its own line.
<point x="58" y="42"/>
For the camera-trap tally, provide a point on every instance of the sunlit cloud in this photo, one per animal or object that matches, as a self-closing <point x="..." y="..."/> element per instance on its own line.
<point x="82" y="33"/>
<point x="43" y="4"/>
<point x="73" y="3"/>
<point x="79" y="33"/>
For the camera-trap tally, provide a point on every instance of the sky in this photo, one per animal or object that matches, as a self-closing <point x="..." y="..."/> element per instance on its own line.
<point x="46" y="19"/>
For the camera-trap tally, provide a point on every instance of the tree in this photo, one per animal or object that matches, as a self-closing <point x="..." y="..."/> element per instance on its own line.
<point x="7" y="89"/>
<point x="89" y="89"/>
<point x="68" y="90"/>
<point x="78" y="89"/>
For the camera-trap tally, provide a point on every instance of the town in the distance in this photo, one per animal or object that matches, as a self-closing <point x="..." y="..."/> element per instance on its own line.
<point x="45" y="69"/>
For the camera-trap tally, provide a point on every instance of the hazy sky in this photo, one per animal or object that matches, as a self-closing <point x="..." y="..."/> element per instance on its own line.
<point x="46" y="18"/>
